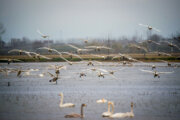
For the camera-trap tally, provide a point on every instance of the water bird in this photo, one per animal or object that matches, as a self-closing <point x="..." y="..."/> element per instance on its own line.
<point x="168" y="63"/>
<point x="55" y="77"/>
<point x="170" y="44"/>
<point x="109" y="112"/>
<point x="71" y="54"/>
<point x="42" y="35"/>
<point x="139" y="47"/>
<point x="38" y="56"/>
<point x="98" y="48"/>
<point x="150" y="27"/>
<point x="20" y="52"/>
<point x="101" y="101"/>
<point x="10" y="60"/>
<point x="123" y="115"/>
<point x="79" y="50"/>
<point x="50" y="50"/>
<point x="61" y="105"/>
<point x="75" y="115"/>
<point x="155" y="73"/>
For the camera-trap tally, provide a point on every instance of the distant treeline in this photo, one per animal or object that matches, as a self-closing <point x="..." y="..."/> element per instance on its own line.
<point x="120" y="45"/>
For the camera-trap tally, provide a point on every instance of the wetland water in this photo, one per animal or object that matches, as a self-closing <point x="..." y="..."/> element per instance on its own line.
<point x="34" y="98"/>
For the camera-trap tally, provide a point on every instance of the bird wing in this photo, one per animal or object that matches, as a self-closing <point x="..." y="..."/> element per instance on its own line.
<point x="94" y="47"/>
<point x="42" y="56"/>
<point x="46" y="48"/>
<point x="26" y="52"/>
<point x="51" y="74"/>
<point x="156" y="29"/>
<point x="72" y="54"/>
<point x="165" y="72"/>
<point x="14" y="50"/>
<point x="156" y="43"/>
<point x="143" y="25"/>
<point x="147" y="71"/>
<point x="73" y="46"/>
<point x="38" y="31"/>
<point x="106" y="47"/>
<point x="163" y="61"/>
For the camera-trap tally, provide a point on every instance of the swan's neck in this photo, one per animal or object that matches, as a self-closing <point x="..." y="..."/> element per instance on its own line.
<point x="61" y="99"/>
<point x="82" y="113"/>
<point x="108" y="107"/>
<point x="112" y="105"/>
<point x="131" y="109"/>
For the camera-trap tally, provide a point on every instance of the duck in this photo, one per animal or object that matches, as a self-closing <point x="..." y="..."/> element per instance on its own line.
<point x="75" y="115"/>
<point x="61" y="105"/>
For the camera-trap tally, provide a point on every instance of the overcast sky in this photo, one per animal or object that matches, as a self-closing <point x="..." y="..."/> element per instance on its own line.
<point x="87" y="18"/>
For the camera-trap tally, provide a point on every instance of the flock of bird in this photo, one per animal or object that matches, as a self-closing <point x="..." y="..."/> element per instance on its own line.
<point x="101" y="73"/>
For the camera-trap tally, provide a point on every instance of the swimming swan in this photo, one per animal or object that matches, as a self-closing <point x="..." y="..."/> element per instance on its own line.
<point x="61" y="105"/>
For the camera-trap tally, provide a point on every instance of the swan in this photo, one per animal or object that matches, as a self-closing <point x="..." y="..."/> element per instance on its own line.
<point x="42" y="35"/>
<point x="101" y="101"/>
<point x="79" y="50"/>
<point x="139" y="47"/>
<point x="75" y="115"/>
<point x="108" y="113"/>
<point x="38" y="56"/>
<point x="98" y="48"/>
<point x="61" y="105"/>
<point x="54" y="79"/>
<point x="71" y="54"/>
<point x="155" y="73"/>
<point x="10" y="60"/>
<point x="20" y="52"/>
<point x="150" y="27"/>
<point x="123" y="115"/>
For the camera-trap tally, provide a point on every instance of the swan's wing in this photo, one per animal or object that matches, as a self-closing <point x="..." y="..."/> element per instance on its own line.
<point x="17" y="60"/>
<point x="42" y="56"/>
<point x="143" y="25"/>
<point x="147" y="71"/>
<point x="46" y="48"/>
<point x="103" y="70"/>
<point x="93" y="47"/>
<point x="156" y="29"/>
<point x="38" y="31"/>
<point x="106" y="47"/>
<point x="66" y="60"/>
<point x="163" y="61"/>
<point x="97" y="62"/>
<point x="165" y="72"/>
<point x="156" y="43"/>
<point x="73" y="46"/>
<point x="176" y="46"/>
<point x="56" y="51"/>
<point x="51" y="74"/>
<point x="72" y="54"/>
<point x="14" y="50"/>
<point x="27" y="53"/>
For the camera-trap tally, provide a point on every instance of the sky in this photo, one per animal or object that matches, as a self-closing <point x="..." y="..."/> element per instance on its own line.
<point x="67" y="19"/>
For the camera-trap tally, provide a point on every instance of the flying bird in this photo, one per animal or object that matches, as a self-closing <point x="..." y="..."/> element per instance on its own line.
<point x="150" y="27"/>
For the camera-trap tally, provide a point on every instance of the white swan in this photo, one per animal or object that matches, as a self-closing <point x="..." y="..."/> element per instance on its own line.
<point x="108" y="113"/>
<point x="123" y="115"/>
<point x="61" y="105"/>
<point x="101" y="101"/>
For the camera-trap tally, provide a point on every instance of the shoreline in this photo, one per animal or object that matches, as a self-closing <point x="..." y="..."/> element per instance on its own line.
<point x="56" y="58"/>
